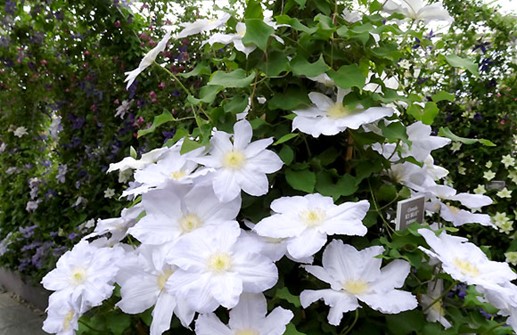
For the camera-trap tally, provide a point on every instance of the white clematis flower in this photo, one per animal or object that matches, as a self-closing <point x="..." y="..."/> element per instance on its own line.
<point x="202" y="25"/>
<point x="306" y="221"/>
<point x="172" y="167"/>
<point x="465" y="261"/>
<point x="129" y="163"/>
<point x="240" y="164"/>
<point x="142" y="278"/>
<point x="357" y="275"/>
<point x="84" y="276"/>
<point x="148" y="59"/>
<point x="418" y="10"/>
<point x="328" y="117"/>
<point x="248" y="317"/>
<point x="117" y="227"/>
<point x="62" y="317"/>
<point x="174" y="212"/>
<point x="214" y="269"/>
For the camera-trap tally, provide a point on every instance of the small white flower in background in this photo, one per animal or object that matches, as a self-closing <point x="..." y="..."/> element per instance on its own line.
<point x="62" y="169"/>
<point x="174" y="212"/>
<point x="328" y="117"/>
<point x="248" y="317"/>
<point x="455" y="146"/>
<point x="461" y="169"/>
<point x="489" y="175"/>
<point x="508" y="161"/>
<point x="504" y="193"/>
<point x="434" y="312"/>
<point x="357" y="275"/>
<point x="215" y="269"/>
<point x="142" y="278"/>
<point x="418" y="10"/>
<point x="123" y="108"/>
<point x="109" y="193"/>
<point x="202" y="25"/>
<point x="306" y="221"/>
<point x="405" y="64"/>
<point x="240" y="164"/>
<point x="488" y="164"/>
<point x="480" y="189"/>
<point x="513" y="176"/>
<point x="3" y="146"/>
<point x="465" y="261"/>
<point x="11" y="170"/>
<point x="80" y="201"/>
<point x="503" y="222"/>
<point x="511" y="257"/>
<point x="20" y="131"/>
<point x="84" y="276"/>
<point x="351" y="16"/>
<point x="32" y="205"/>
<point x="148" y="59"/>
<point x="4" y="244"/>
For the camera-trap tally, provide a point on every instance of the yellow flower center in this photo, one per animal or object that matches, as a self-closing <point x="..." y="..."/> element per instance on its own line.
<point x="313" y="217"/>
<point x="454" y="210"/>
<point x="78" y="276"/>
<point x="246" y="332"/>
<point x="189" y="222"/>
<point x="234" y="160"/>
<point x="466" y="267"/>
<point x="355" y="286"/>
<point x="177" y="175"/>
<point x="338" y="110"/>
<point x="220" y="262"/>
<point x="67" y="319"/>
<point x="163" y="277"/>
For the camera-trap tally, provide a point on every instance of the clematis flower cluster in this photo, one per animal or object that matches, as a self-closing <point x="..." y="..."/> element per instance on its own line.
<point x="185" y="252"/>
<point x="466" y="262"/>
<point x="192" y="257"/>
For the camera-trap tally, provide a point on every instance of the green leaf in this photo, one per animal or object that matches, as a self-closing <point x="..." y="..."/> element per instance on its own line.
<point x="236" y="105"/>
<point x="430" y="112"/>
<point x="295" y="24"/>
<point x="291" y="330"/>
<point x="257" y="33"/>
<point x="394" y="131"/>
<point x="118" y="323"/>
<point x="302" y="67"/>
<point x="189" y="145"/>
<point x="301" y="3"/>
<point x="301" y="180"/>
<point x="237" y="78"/>
<point x="286" y="154"/>
<point x="290" y="100"/>
<point x="442" y="96"/>
<point x="132" y="152"/>
<point x="285" y="138"/>
<point x="446" y="132"/>
<point x="284" y="294"/>
<point x="253" y="10"/>
<point x="345" y="185"/>
<point x="348" y="76"/>
<point x="200" y="69"/>
<point x="158" y="121"/>
<point x="463" y="63"/>
<point x="277" y="62"/>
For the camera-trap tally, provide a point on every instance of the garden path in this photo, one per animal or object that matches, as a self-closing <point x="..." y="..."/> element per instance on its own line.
<point x="18" y="319"/>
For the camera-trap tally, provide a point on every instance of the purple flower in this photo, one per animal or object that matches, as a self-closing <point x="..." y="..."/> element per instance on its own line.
<point x="27" y="232"/>
<point x="10" y="7"/>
